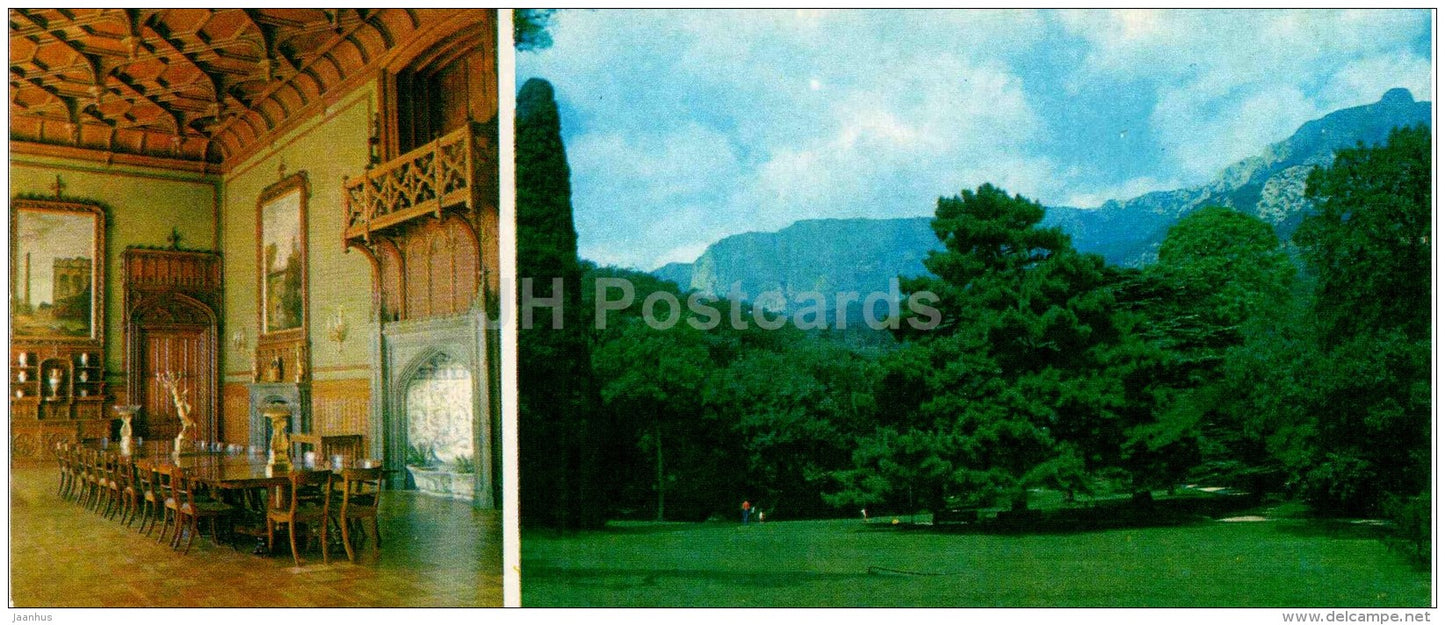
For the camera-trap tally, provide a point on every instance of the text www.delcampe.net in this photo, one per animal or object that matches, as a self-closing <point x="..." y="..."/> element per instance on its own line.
<point x="1339" y="616"/>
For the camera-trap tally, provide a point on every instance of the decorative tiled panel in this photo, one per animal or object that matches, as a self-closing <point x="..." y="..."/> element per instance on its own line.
<point x="439" y="406"/>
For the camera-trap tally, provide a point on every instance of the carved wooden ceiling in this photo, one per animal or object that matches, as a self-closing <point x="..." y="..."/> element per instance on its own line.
<point x="205" y="86"/>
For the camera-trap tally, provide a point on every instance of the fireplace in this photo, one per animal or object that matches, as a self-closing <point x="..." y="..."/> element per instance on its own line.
<point x="297" y="396"/>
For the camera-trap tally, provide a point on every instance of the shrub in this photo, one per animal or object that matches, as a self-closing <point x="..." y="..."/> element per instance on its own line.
<point x="464" y="464"/>
<point x="1411" y="519"/>
<point x="421" y="456"/>
<point x="1341" y="484"/>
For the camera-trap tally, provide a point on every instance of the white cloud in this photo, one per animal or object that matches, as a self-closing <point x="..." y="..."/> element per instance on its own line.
<point x="1203" y="144"/>
<point x="1131" y="188"/>
<point x="873" y="124"/>
<point x="1365" y="80"/>
<point x="684" y="127"/>
<point x="1228" y="81"/>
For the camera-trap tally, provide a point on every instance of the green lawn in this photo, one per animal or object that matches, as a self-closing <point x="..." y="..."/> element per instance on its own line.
<point x="1278" y="562"/>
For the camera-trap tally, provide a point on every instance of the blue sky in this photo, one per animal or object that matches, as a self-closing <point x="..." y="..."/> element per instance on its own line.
<point x="683" y="127"/>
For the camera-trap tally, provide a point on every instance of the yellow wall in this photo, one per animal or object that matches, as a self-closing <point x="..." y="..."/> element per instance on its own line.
<point x="145" y="204"/>
<point x="142" y="206"/>
<point x="327" y="147"/>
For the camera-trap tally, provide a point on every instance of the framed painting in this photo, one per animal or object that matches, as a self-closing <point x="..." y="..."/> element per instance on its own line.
<point x="57" y="270"/>
<point x="281" y="257"/>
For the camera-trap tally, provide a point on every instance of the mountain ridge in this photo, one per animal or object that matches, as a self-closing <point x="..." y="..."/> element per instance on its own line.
<point x="862" y="254"/>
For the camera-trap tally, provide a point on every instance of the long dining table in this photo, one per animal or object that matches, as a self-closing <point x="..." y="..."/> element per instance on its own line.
<point x="237" y="476"/>
<point x="217" y="470"/>
<point x="229" y="471"/>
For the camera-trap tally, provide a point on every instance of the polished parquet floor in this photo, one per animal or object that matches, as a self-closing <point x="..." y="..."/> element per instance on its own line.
<point x="435" y="552"/>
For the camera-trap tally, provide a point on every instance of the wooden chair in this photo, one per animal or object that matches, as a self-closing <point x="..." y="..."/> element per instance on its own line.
<point x="348" y="446"/>
<point x="309" y="503"/>
<point x="165" y="487"/>
<point x="94" y="479"/>
<point x="360" y="499"/>
<point x="110" y="481"/>
<point x="192" y="507"/>
<point x="77" y="472"/>
<point x="80" y="466"/>
<point x="302" y="443"/>
<point x="65" y="459"/>
<point x="63" y="466"/>
<point x="79" y="460"/>
<point x="151" y="500"/>
<point x="130" y="490"/>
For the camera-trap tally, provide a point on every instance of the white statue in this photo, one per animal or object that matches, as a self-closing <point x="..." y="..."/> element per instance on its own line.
<point x="172" y="383"/>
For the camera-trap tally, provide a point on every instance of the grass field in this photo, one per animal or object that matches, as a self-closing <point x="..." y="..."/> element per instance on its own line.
<point x="1271" y="562"/>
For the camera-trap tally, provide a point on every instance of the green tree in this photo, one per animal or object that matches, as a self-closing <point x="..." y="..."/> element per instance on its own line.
<point x="1368" y="241"/>
<point x="1367" y="245"/>
<point x="529" y="28"/>
<point x="1339" y="388"/>
<point x="1006" y="391"/>
<point x="558" y="432"/>
<point x="1217" y="269"/>
<point x="794" y="411"/>
<point x="1221" y="274"/>
<point x="655" y="377"/>
<point x="668" y="455"/>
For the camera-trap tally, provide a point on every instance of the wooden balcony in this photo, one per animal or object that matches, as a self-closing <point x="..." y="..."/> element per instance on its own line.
<point x="422" y="182"/>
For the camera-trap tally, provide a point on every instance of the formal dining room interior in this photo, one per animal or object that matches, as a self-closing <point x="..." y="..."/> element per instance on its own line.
<point x="253" y="277"/>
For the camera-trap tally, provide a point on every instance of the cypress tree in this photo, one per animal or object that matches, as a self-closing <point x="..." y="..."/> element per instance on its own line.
<point x="558" y="438"/>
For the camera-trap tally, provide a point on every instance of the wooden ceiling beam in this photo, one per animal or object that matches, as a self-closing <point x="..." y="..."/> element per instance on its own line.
<point x="270" y="90"/>
<point x="269" y="41"/>
<point x="63" y="69"/>
<point x="109" y="78"/>
<point x="177" y="117"/>
<point x="187" y="51"/>
<point x="307" y="59"/>
<point x="104" y="15"/>
<point x="214" y="80"/>
<point x="50" y="33"/>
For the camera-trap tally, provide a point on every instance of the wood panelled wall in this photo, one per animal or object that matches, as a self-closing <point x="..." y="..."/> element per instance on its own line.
<point x="429" y="270"/>
<point x="235" y="413"/>
<point x="436" y="268"/>
<point x="341" y="407"/>
<point x="337" y="407"/>
<point x="443" y="91"/>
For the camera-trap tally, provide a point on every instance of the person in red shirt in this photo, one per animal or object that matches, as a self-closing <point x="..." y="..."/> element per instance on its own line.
<point x="747" y="510"/>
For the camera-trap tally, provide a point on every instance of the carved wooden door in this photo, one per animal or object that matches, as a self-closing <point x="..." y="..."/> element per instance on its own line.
<point x="185" y="350"/>
<point x="171" y="299"/>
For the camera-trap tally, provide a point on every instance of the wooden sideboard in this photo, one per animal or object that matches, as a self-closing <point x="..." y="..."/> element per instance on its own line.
<point x="56" y="381"/>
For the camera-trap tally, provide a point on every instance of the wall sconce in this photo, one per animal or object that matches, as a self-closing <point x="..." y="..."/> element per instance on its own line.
<point x="238" y="340"/>
<point x="373" y="143"/>
<point x="337" y="328"/>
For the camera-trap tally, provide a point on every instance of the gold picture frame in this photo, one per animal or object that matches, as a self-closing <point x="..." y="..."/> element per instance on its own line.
<point x="283" y="302"/>
<point x="57" y="271"/>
